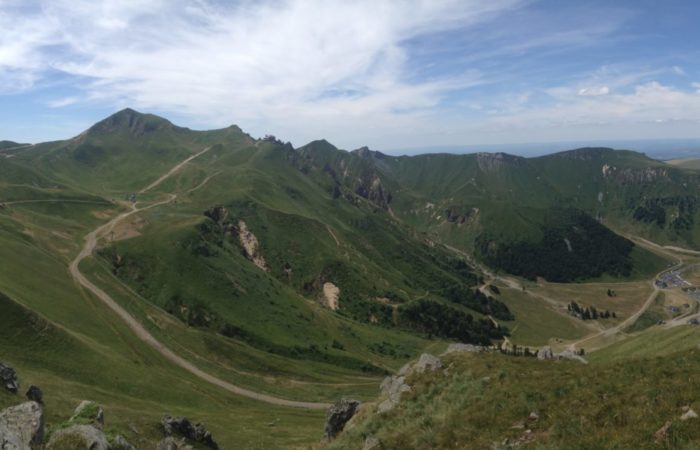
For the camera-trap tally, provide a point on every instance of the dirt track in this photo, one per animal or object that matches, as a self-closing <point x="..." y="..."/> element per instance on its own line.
<point x="139" y="330"/>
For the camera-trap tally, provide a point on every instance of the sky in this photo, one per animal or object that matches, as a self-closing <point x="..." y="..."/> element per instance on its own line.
<point x="389" y="74"/>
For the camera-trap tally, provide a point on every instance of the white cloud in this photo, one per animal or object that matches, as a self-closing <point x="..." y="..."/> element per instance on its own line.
<point x="697" y="86"/>
<point x="594" y="91"/>
<point x="278" y="62"/>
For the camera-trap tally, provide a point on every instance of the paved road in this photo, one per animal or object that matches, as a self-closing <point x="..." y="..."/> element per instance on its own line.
<point x="139" y="330"/>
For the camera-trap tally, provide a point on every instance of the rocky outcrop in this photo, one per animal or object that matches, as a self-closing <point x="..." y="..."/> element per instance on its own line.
<point x="34" y="394"/>
<point x="373" y="190"/>
<point x="545" y="353"/>
<point x="8" y="378"/>
<point x="331" y="294"/>
<point x="21" y="426"/>
<point x="493" y="162"/>
<point x="251" y="245"/>
<point x="79" y="437"/>
<point x="465" y="348"/>
<point x="393" y="386"/>
<point x="90" y="412"/>
<point x="170" y="443"/>
<point x="426" y="362"/>
<point x="338" y="415"/>
<point x="371" y="443"/>
<point x="183" y="427"/>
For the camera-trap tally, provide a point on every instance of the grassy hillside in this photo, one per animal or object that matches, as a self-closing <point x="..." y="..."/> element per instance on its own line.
<point x="485" y="399"/>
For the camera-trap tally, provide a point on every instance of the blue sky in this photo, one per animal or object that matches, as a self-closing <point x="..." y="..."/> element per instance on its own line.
<point x="388" y="74"/>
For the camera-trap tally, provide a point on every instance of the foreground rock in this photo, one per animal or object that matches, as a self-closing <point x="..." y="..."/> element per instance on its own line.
<point x="79" y="437"/>
<point x="183" y="427"/>
<point x="338" y="415"/>
<point x="21" y="426"/>
<point x="426" y="363"/>
<point x="8" y="378"/>
<point x="170" y="443"/>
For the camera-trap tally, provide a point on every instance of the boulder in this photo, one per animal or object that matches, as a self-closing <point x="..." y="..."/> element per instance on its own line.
<point x="34" y="394"/>
<point x="79" y="437"/>
<point x="21" y="426"/>
<point x="371" y="443"/>
<point x="338" y="415"/>
<point x="8" y="378"/>
<point x="545" y="353"/>
<point x="689" y="414"/>
<point x="183" y="427"/>
<point x="464" y="348"/>
<point x="568" y="354"/>
<point x="90" y="412"/>
<point x="119" y="443"/>
<point x="170" y="443"/>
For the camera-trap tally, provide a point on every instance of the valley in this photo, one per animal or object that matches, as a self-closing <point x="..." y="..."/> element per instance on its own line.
<point x="248" y="284"/>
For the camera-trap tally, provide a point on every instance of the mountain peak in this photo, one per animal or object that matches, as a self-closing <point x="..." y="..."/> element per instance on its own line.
<point x="132" y="121"/>
<point x="365" y="152"/>
<point x="489" y="162"/>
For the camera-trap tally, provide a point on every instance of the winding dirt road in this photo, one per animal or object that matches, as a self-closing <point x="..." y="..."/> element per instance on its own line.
<point x="139" y="330"/>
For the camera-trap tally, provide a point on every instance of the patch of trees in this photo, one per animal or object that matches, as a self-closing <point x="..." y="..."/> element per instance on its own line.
<point x="653" y="210"/>
<point x="474" y="299"/>
<point x="573" y="246"/>
<point x="591" y="313"/>
<point x="438" y="319"/>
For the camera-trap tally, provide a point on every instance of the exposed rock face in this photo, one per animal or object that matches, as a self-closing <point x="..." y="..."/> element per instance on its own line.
<point x="21" y="426"/>
<point x="545" y="353"/>
<point x="331" y="293"/>
<point x="89" y="411"/>
<point x="8" y="377"/>
<point x="689" y="414"/>
<point x="426" y="362"/>
<point x="392" y="387"/>
<point x="492" y="162"/>
<point x="89" y="437"/>
<point x="183" y="427"/>
<point x="338" y="415"/>
<point x="464" y="348"/>
<point x="250" y="245"/>
<point x="34" y="394"/>
<point x="170" y="443"/>
<point x="455" y="215"/>
<point x="634" y="176"/>
<point x="373" y="190"/>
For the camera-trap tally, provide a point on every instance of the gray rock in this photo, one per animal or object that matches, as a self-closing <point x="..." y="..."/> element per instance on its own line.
<point x="426" y="362"/>
<point x="568" y="354"/>
<point x="545" y="353"/>
<point x="119" y="443"/>
<point x="21" y="426"/>
<point x="89" y="411"/>
<point x="183" y="427"/>
<point x="392" y="387"/>
<point x="689" y="414"/>
<point x="386" y="406"/>
<point x="34" y="394"/>
<point x="464" y="348"/>
<point x="371" y="443"/>
<point x="338" y="415"/>
<point x="79" y="437"/>
<point x="8" y="378"/>
<point x="170" y="443"/>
